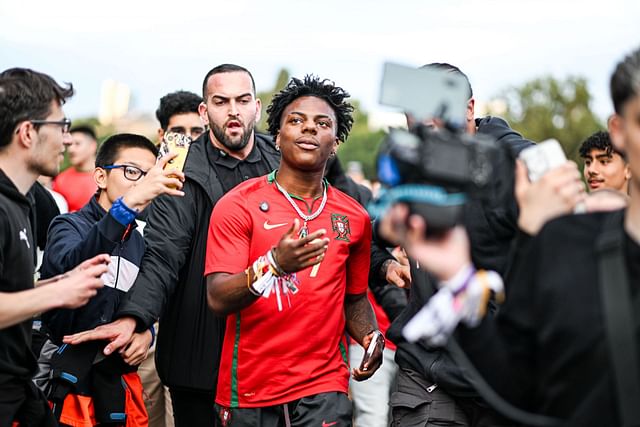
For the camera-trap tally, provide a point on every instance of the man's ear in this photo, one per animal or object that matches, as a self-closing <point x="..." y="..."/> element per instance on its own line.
<point x="277" y="141"/>
<point x="160" y="134"/>
<point x="202" y="111"/>
<point x="258" y="109"/>
<point x="471" y="107"/>
<point x="616" y="132"/>
<point x="100" y="177"/>
<point x="471" y="116"/>
<point x="24" y="134"/>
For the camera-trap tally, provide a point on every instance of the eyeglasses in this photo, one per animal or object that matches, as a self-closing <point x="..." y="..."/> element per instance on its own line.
<point x="65" y="123"/>
<point x="132" y="173"/>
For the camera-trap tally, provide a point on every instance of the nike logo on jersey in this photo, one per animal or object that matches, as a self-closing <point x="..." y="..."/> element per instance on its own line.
<point x="268" y="226"/>
<point x="23" y="236"/>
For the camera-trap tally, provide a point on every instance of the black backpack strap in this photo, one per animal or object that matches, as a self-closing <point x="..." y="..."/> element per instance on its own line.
<point x="618" y="316"/>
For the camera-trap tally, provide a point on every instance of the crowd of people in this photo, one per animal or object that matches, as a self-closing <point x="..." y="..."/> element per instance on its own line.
<point x="252" y="288"/>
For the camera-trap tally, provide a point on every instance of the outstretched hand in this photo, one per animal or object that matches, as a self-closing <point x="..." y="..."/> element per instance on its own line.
<point x="294" y="254"/>
<point x="77" y="286"/>
<point x="119" y="334"/>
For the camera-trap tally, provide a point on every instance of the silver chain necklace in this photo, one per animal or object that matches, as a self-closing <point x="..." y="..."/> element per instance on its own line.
<point x="304" y="231"/>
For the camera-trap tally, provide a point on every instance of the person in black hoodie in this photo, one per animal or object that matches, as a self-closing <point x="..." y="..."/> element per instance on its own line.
<point x="32" y="131"/>
<point x="431" y="388"/>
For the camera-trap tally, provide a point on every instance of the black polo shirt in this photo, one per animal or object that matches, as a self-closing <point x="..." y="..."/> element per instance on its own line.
<point x="232" y="171"/>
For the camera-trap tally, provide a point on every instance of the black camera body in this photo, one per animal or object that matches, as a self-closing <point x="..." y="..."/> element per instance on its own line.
<point x="438" y="172"/>
<point x="456" y="161"/>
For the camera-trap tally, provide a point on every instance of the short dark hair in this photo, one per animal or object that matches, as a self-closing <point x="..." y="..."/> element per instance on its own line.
<point x="312" y="86"/>
<point x="110" y="149"/>
<point x="86" y="130"/>
<point x="625" y="80"/>
<point x="598" y="141"/>
<point x="452" y="69"/>
<point x="27" y="95"/>
<point x="179" y="102"/>
<point x="225" y="68"/>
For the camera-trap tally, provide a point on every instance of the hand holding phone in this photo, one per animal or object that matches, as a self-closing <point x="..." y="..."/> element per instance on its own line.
<point x="542" y="157"/>
<point x="173" y="142"/>
<point x="376" y="342"/>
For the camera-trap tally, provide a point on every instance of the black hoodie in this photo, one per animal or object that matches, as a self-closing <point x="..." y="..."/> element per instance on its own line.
<point x="491" y="230"/>
<point x="17" y="263"/>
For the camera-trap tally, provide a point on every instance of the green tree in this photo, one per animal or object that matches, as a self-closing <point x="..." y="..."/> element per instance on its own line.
<point x="547" y="107"/>
<point x="266" y="96"/>
<point x="362" y="144"/>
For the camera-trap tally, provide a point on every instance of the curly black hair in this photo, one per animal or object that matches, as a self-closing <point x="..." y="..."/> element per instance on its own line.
<point x="598" y="141"/>
<point x="179" y="102"/>
<point x="312" y="86"/>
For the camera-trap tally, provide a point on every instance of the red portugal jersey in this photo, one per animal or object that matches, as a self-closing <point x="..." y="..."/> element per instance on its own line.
<point x="270" y="357"/>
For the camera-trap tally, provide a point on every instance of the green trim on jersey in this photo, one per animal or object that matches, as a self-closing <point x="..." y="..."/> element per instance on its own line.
<point x="234" y="365"/>
<point x="343" y="351"/>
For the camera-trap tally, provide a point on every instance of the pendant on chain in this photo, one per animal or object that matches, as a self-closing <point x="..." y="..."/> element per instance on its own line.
<point x="304" y="231"/>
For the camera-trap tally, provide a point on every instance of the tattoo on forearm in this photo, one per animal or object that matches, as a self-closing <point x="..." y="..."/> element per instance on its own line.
<point x="359" y="316"/>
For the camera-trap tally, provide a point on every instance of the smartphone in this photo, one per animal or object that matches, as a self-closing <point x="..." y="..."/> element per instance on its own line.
<point x="173" y="142"/>
<point x="426" y="93"/>
<point x="375" y="342"/>
<point x="542" y="157"/>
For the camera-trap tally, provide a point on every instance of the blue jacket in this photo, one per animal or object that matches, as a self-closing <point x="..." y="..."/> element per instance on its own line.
<point x="78" y="236"/>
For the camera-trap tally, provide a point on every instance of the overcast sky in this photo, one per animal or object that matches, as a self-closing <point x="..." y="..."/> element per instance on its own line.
<point x="158" y="47"/>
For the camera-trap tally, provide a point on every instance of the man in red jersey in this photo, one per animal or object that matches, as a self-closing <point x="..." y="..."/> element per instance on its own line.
<point x="76" y="183"/>
<point x="288" y="262"/>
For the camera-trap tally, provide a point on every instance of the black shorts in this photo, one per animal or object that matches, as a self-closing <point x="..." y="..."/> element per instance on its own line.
<point x="331" y="409"/>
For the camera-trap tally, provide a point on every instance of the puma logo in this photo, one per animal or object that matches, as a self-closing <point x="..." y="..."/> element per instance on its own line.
<point x="23" y="236"/>
<point x="268" y="226"/>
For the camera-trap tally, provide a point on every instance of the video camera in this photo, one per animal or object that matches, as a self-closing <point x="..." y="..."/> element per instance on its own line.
<point x="436" y="171"/>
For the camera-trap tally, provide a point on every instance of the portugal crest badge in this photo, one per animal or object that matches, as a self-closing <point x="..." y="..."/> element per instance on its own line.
<point x="340" y="225"/>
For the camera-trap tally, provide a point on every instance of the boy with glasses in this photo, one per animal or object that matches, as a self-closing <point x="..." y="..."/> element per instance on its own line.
<point x="128" y="179"/>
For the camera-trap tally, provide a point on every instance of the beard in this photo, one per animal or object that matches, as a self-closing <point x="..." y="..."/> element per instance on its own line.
<point x="46" y="168"/>
<point x="42" y="162"/>
<point x="233" y="144"/>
